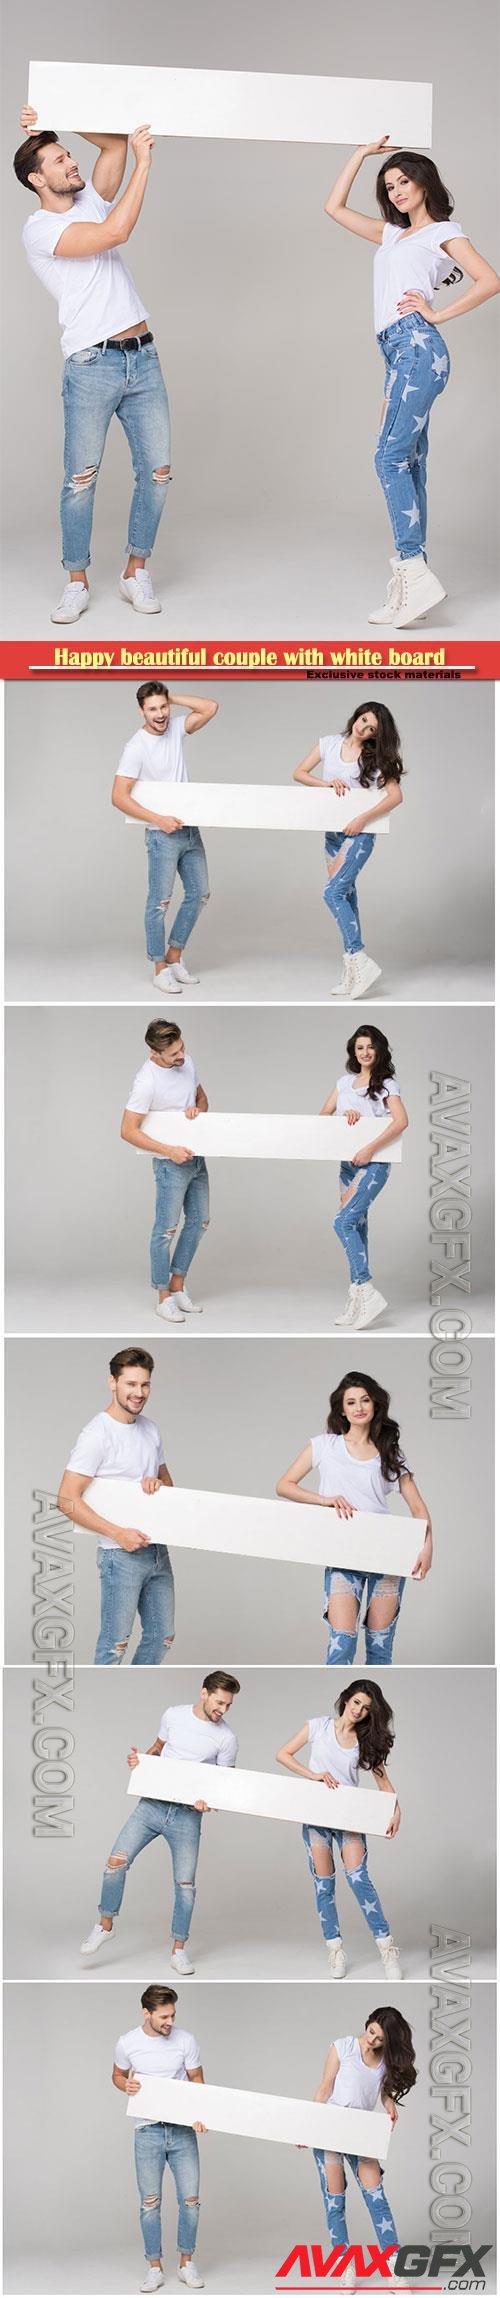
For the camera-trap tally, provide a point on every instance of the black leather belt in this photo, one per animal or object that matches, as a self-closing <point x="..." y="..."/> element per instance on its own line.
<point x="125" y="342"/>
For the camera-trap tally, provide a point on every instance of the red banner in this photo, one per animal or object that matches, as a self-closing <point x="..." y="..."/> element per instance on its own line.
<point x="327" y="659"/>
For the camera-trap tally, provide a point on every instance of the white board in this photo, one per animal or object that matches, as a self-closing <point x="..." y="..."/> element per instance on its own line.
<point x="263" y="1794"/>
<point x="255" y="805"/>
<point x="280" y="1531"/>
<point x="238" y="1133"/>
<point x="270" y="107"/>
<point x="264" y="2114"/>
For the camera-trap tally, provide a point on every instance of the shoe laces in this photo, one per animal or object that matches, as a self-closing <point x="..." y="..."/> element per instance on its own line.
<point x="143" y="578"/>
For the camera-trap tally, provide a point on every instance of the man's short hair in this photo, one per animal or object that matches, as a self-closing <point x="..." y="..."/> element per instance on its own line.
<point x="153" y="1996"/>
<point x="218" y="1681"/>
<point x="130" y="1356"/>
<point x="152" y="686"/>
<point x="26" y="159"/>
<point x="160" y="1034"/>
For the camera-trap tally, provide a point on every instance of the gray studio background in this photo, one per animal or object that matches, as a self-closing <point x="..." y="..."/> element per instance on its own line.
<point x="255" y="1914"/>
<point x="80" y="1201"/>
<point x="234" y="1423"/>
<point x="262" y="310"/>
<point x="76" y="875"/>
<point x="82" y="2233"/>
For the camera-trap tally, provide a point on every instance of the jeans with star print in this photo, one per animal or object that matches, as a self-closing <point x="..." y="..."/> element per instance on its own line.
<point x="417" y="366"/>
<point x="375" y="2198"/>
<point x="340" y="892"/>
<point x="351" y="1224"/>
<point x="378" y="1641"/>
<point x="359" y="1882"/>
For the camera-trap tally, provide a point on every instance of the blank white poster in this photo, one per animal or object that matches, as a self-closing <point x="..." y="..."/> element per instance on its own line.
<point x="256" y="805"/>
<point x="276" y="1530"/>
<point x="263" y="2114"/>
<point x="236" y="1133"/>
<point x="263" y="1794"/>
<point x="270" y="107"/>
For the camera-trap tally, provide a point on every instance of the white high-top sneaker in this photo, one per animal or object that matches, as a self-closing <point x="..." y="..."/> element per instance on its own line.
<point x="341" y="988"/>
<point x="348" y="2278"/>
<point x="368" y="1304"/>
<point x="337" y="1959"/>
<point x="390" y="1958"/>
<point x="419" y="592"/>
<point x="346" y="1315"/>
<point x="363" y="973"/>
<point x="386" y="613"/>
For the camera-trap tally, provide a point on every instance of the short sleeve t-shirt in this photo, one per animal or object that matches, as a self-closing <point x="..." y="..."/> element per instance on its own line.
<point x="415" y="260"/>
<point x="334" y="767"/>
<point x="194" y="1739"/>
<point x="95" y="294"/>
<point x="326" y="1753"/>
<point x="175" y="2055"/>
<point x="155" y="1088"/>
<point x="108" y="1447"/>
<point x="156" y="757"/>
<point x="360" y="1481"/>
<point x="350" y="1095"/>
<point x="355" y="2084"/>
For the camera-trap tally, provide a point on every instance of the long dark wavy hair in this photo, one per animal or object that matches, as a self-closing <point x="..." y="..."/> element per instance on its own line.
<point x="399" y="2055"/>
<point x="374" y="1732"/>
<point x="438" y="199"/>
<point x="383" y="1065"/>
<point x="380" y="757"/>
<point x="384" y="1432"/>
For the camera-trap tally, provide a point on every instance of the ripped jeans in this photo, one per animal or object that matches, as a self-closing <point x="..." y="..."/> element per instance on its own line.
<point x="417" y="366"/>
<point x="96" y="385"/>
<point x="139" y="1580"/>
<point x="351" y="1224"/>
<point x="374" y="2196"/>
<point x="170" y="851"/>
<point x="179" y="1824"/>
<point x="179" y="1189"/>
<point x="340" y="891"/>
<point x="358" y="1879"/>
<point x="155" y="2145"/>
<point x="378" y="1641"/>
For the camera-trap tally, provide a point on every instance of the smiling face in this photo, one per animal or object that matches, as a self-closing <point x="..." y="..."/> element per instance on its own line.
<point x="215" y="1704"/>
<point x="364" y="725"/>
<point x="173" y="1056"/>
<point x="358" y="1407"/>
<point x="405" y="195"/>
<point x="156" y="713"/>
<point x="357" y="1707"/>
<point x="162" y="2019"/>
<point x="56" y="173"/>
<point x="365" y="1050"/>
<point x="131" y="1389"/>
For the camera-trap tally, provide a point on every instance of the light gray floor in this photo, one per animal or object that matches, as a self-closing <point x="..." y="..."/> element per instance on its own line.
<point x="294" y="584"/>
<point x="106" y="1302"/>
<point x="252" y="2279"/>
<point x="105" y="975"/>
<point x="248" y="1958"/>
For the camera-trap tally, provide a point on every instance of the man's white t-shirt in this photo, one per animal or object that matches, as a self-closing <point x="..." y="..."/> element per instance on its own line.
<point x="156" y="757"/>
<point x="360" y="1481"/>
<point x="335" y="768"/>
<point x="175" y="2055"/>
<point x="108" y="1447"/>
<point x="353" y="1096"/>
<point x="413" y="260"/>
<point x="194" y="1739"/>
<point x="155" y="1088"/>
<point x="95" y="294"/>
<point x="355" y="2085"/>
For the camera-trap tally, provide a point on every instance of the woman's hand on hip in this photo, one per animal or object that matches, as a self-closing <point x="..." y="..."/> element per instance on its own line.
<point x="413" y="302"/>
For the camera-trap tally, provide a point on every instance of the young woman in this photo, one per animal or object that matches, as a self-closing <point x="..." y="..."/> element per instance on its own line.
<point x="374" y="2069"/>
<point x="357" y="1737"/>
<point x="360" y="1463"/>
<point x="418" y="249"/>
<point x="368" y="1079"/>
<point x="367" y="756"/>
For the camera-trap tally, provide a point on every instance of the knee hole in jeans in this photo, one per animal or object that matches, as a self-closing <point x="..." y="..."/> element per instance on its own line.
<point x="162" y="475"/>
<point x="116" y="1859"/>
<point x="205" y="898"/>
<point x="192" y="2202"/>
<point x="119" y="1648"/>
<point x="205" y="1224"/>
<point x="150" y="2201"/>
<point x="84" y="478"/>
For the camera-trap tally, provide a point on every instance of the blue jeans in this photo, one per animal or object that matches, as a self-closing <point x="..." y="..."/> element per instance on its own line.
<point x="169" y="851"/>
<point x="179" y="1188"/>
<point x="375" y="2198"/>
<point x="179" y="1824"/>
<point x="417" y="366"/>
<point x="359" y="1882"/>
<point x="96" y="385"/>
<point x="378" y="1641"/>
<point x="340" y="891"/>
<point x="140" y="1581"/>
<point x="155" y="2144"/>
<point x="351" y="1225"/>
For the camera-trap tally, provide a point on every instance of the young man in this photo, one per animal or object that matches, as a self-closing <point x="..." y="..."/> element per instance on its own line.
<point x="156" y="754"/>
<point x="168" y="1080"/>
<point x="135" y="1573"/>
<point x="158" y="2047"/>
<point x="196" y="1734"/>
<point x="73" y="242"/>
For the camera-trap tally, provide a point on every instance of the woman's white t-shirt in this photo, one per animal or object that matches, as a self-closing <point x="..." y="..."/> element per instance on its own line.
<point x="335" y="768"/>
<point x="95" y="293"/>
<point x="175" y="2055"/>
<point x="155" y="1088"/>
<point x="360" y="1481"/>
<point x="326" y="1753"/>
<point x="355" y="2084"/>
<point x="410" y="260"/>
<point x="353" y="1096"/>
<point x="156" y="757"/>
<point x="107" y="1447"/>
<point x="194" y="1739"/>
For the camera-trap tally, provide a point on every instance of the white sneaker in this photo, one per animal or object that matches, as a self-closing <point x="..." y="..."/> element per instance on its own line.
<point x="181" y="1963"/>
<point x="341" y="988"/>
<point x="368" y="1304"/>
<point x="348" y="2278"/>
<point x="347" y="1314"/>
<point x="390" y="1958"/>
<point x="190" y="1308"/>
<point x="419" y="592"/>
<point x="167" y="980"/>
<point x="138" y="589"/>
<point x="153" y="2278"/>
<point x="181" y="970"/>
<point x="97" y="1938"/>
<point x="189" y="2274"/>
<point x="73" y="602"/>
<point x="337" y="1960"/>
<point x="363" y="973"/>
<point x="169" y="1311"/>
<point x="386" y="613"/>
